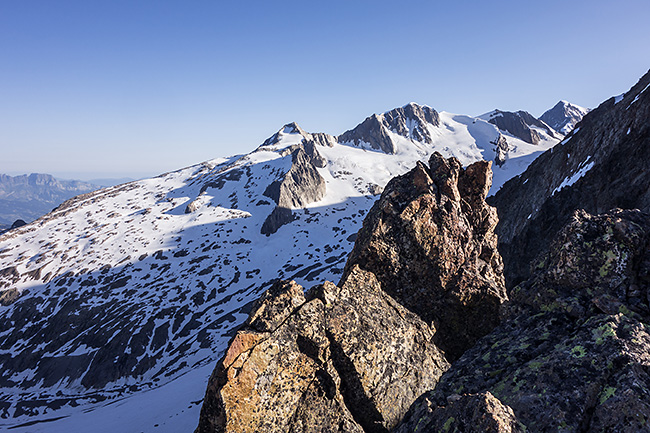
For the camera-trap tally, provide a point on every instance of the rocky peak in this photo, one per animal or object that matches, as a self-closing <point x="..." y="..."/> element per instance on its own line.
<point x="519" y="124"/>
<point x="437" y="215"/>
<point x="353" y="357"/>
<point x="411" y="121"/>
<point x="288" y="129"/>
<point x="564" y="116"/>
<point x="292" y="128"/>
<point x="299" y="186"/>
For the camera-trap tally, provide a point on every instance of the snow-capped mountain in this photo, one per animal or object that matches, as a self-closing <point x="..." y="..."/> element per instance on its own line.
<point x="564" y="116"/>
<point x="522" y="125"/>
<point x="123" y="295"/>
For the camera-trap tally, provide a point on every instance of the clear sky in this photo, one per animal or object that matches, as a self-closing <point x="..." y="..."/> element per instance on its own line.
<point x="110" y="88"/>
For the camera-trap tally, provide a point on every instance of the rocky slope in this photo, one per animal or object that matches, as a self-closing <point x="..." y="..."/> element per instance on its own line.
<point x="603" y="164"/>
<point x="422" y="284"/>
<point x="29" y="197"/>
<point x="572" y="351"/>
<point x="564" y="116"/>
<point x="522" y="125"/>
<point x="135" y="289"/>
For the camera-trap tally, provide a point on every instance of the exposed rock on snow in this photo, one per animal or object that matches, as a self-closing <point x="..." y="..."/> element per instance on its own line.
<point x="502" y="150"/>
<point x="298" y="187"/>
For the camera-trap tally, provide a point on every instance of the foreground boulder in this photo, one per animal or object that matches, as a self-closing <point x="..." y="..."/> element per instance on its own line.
<point x="430" y="241"/>
<point x="342" y="359"/>
<point x="572" y="351"/>
<point x="354" y="357"/>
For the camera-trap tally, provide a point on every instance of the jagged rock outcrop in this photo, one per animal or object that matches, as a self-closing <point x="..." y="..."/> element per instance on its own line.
<point x="602" y="165"/>
<point x="353" y="357"/>
<point x="430" y="240"/>
<point x="564" y="116"/>
<point x="572" y="351"/>
<point x="519" y="124"/>
<point x="410" y="121"/>
<point x="345" y="359"/>
<point x="502" y="148"/>
<point x="299" y="186"/>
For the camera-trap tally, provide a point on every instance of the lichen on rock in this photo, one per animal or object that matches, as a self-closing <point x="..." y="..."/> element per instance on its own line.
<point x="571" y="353"/>
<point x="430" y="241"/>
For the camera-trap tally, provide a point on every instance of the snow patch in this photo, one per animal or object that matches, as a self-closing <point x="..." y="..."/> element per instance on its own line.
<point x="570" y="180"/>
<point x="636" y="98"/>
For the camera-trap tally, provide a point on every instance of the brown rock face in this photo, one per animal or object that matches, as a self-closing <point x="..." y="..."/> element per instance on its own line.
<point x="354" y="357"/>
<point x="430" y="241"/>
<point x="347" y="359"/>
<point x="473" y="413"/>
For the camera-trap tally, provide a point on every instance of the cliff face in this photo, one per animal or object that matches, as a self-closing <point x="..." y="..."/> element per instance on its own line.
<point x="602" y="165"/>
<point x="299" y="186"/>
<point x="354" y="357"/>
<point x="572" y="351"/>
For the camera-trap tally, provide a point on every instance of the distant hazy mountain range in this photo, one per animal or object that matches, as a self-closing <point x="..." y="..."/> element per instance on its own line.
<point x="28" y="197"/>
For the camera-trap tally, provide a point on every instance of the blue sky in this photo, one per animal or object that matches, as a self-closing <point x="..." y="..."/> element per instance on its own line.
<point x="135" y="88"/>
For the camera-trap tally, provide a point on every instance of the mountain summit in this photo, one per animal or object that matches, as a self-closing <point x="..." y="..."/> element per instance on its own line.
<point x="564" y="116"/>
<point x="411" y="121"/>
